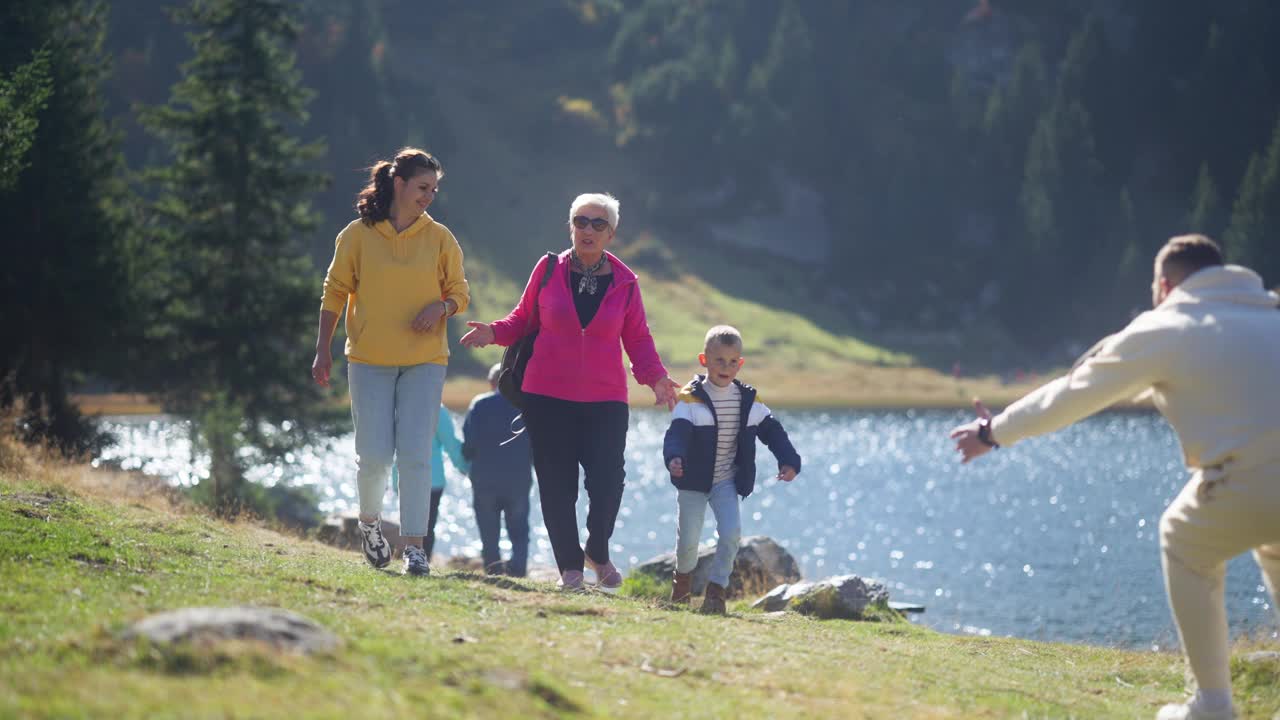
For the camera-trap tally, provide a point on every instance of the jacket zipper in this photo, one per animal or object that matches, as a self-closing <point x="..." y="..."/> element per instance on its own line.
<point x="582" y="338"/>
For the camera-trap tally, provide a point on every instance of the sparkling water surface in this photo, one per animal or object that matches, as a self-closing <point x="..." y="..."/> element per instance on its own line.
<point x="1054" y="539"/>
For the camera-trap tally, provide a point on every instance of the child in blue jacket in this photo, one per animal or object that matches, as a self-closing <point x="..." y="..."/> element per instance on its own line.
<point x="710" y="450"/>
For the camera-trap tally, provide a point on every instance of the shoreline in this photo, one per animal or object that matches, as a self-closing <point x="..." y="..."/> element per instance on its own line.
<point x="853" y="387"/>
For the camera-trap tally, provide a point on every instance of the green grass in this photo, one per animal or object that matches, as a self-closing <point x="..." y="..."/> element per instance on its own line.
<point x="80" y="561"/>
<point x="644" y="587"/>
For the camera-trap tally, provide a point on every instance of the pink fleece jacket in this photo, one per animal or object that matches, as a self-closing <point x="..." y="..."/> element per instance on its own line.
<point x="571" y="362"/>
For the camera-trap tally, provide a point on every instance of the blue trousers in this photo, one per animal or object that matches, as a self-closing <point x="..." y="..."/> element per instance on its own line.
<point x="490" y="507"/>
<point x="395" y="409"/>
<point x="691" y="510"/>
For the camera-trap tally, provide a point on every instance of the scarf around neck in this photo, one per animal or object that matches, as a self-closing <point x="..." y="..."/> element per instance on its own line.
<point x="589" y="282"/>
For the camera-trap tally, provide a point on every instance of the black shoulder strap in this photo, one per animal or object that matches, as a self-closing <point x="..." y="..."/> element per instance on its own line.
<point x="552" y="259"/>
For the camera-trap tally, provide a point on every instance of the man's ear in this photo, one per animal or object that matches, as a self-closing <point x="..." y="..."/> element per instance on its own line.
<point x="702" y="359"/>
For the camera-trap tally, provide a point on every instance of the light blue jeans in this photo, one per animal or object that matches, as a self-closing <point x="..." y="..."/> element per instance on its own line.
<point x="723" y="500"/>
<point x="395" y="409"/>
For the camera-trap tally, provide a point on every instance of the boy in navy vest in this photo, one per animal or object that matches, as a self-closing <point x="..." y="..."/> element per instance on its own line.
<point x="710" y="450"/>
<point x="500" y="477"/>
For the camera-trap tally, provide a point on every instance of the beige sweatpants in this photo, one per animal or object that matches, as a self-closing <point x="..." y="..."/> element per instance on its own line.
<point x="1221" y="513"/>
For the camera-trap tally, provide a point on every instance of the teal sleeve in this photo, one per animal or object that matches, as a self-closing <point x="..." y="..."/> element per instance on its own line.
<point x="447" y="436"/>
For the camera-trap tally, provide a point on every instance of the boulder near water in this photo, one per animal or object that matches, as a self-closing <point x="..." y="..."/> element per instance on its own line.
<point x="842" y="596"/>
<point x="761" y="564"/>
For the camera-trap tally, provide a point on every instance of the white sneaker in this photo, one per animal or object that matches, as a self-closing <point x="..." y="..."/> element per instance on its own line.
<point x="1189" y="710"/>
<point x="376" y="548"/>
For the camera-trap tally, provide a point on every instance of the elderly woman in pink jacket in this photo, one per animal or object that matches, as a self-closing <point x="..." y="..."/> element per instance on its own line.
<point x="575" y="386"/>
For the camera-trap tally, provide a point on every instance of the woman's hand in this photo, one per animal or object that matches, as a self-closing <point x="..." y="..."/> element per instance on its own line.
<point x="478" y="336"/>
<point x="321" y="366"/>
<point x="676" y="467"/>
<point x="786" y="473"/>
<point x="428" y="316"/>
<point x="664" y="392"/>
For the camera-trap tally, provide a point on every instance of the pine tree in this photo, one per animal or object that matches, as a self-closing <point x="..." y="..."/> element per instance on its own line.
<point x="1253" y="238"/>
<point x="1128" y="245"/>
<point x="1090" y="75"/>
<point x="22" y="96"/>
<point x="65" y="283"/>
<point x="1014" y="110"/>
<point x="784" y="87"/>
<point x="1206" y="206"/>
<point x="1059" y="193"/>
<point x="234" y="320"/>
<point x="1010" y="124"/>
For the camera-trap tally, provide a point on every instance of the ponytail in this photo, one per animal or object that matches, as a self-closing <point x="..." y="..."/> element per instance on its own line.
<point x="374" y="201"/>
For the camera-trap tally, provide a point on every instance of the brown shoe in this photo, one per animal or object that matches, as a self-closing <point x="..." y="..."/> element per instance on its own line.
<point x="713" y="601"/>
<point x="681" y="584"/>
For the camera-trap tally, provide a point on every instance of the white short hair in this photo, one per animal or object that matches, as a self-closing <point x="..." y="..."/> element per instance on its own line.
<point x="604" y="200"/>
<point x="494" y="373"/>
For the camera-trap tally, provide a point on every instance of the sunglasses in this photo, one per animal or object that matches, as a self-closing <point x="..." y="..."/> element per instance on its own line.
<point x="598" y="224"/>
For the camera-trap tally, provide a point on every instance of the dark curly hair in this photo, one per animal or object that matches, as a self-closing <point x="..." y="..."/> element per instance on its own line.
<point x="374" y="201"/>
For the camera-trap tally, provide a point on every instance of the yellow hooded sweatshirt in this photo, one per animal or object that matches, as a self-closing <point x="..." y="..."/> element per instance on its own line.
<point x="385" y="279"/>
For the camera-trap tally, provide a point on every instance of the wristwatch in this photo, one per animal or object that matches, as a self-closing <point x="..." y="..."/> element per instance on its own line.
<point x="984" y="433"/>
<point x="445" y="303"/>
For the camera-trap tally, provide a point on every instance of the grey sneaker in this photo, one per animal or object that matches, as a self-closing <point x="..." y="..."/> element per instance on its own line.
<point x="376" y="548"/>
<point x="415" y="561"/>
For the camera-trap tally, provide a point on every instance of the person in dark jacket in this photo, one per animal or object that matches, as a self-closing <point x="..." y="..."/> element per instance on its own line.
<point x="710" y="450"/>
<point x="500" y="477"/>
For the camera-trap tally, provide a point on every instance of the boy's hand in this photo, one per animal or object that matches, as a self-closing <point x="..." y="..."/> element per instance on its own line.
<point x="676" y="466"/>
<point x="786" y="473"/>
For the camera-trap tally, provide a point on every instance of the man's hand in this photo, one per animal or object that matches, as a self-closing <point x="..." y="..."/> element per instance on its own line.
<point x="676" y="466"/>
<point x="786" y="473"/>
<point x="968" y="442"/>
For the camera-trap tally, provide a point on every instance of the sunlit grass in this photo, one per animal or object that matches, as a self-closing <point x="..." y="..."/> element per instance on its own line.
<point x="84" y="554"/>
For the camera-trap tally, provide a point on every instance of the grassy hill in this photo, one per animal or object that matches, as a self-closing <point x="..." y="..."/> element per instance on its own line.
<point x="83" y="554"/>
<point x="796" y="355"/>
<point x="511" y="174"/>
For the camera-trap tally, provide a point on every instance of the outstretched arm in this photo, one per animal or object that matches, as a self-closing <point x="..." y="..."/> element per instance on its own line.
<point x="1128" y="363"/>
<point x="517" y="323"/>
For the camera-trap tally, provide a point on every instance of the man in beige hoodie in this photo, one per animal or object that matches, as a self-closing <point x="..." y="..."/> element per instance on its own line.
<point x="1208" y="355"/>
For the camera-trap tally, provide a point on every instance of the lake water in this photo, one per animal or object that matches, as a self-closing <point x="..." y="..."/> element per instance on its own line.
<point x="1055" y="539"/>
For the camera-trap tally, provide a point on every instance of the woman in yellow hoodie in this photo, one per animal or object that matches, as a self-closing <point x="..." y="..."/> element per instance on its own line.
<point x="399" y="275"/>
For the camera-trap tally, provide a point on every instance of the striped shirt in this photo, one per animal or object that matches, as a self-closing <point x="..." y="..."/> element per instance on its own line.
<point x="727" y="403"/>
